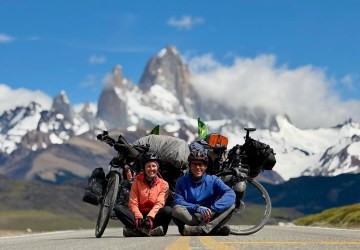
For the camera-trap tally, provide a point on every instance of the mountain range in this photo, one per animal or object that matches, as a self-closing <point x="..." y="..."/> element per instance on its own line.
<point x="60" y="143"/>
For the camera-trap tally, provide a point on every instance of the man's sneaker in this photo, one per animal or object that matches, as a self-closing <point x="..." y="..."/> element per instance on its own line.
<point x="128" y="232"/>
<point x="222" y="231"/>
<point x="157" y="231"/>
<point x="192" y="231"/>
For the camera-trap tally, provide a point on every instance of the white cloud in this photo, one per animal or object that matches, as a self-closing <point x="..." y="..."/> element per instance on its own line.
<point x="90" y="81"/>
<point x="11" y="98"/>
<point x="186" y="22"/>
<point x="304" y="93"/>
<point x="95" y="59"/>
<point x="6" y="38"/>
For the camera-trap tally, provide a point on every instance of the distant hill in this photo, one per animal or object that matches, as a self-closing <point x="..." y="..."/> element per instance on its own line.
<point x="340" y="217"/>
<point x="44" y="207"/>
<point x="313" y="194"/>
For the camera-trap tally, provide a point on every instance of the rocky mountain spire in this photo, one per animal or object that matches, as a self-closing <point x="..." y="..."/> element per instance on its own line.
<point x="61" y="105"/>
<point x="112" y="104"/>
<point x="167" y="70"/>
<point x="117" y="76"/>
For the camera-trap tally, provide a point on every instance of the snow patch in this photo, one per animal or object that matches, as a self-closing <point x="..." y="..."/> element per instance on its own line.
<point x="55" y="139"/>
<point x="131" y="128"/>
<point x="172" y="127"/>
<point x="354" y="149"/>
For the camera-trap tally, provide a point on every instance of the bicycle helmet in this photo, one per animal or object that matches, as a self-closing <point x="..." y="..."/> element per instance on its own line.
<point x="150" y="156"/>
<point x="198" y="155"/>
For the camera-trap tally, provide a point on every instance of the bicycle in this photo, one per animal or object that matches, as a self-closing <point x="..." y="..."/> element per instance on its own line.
<point x="118" y="167"/>
<point x="248" y="217"/>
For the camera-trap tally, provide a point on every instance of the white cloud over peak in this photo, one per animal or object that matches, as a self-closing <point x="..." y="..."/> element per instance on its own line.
<point x="304" y="93"/>
<point x="12" y="98"/>
<point x="95" y="59"/>
<point x="186" y="22"/>
<point x="4" y="38"/>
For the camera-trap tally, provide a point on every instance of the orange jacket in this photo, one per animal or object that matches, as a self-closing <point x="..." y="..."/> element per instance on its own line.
<point x="144" y="198"/>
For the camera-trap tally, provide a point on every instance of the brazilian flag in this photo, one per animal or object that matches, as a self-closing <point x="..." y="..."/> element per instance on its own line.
<point x="155" y="130"/>
<point x="202" y="131"/>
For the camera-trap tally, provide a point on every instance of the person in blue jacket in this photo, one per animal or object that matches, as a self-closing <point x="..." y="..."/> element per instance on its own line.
<point x="203" y="203"/>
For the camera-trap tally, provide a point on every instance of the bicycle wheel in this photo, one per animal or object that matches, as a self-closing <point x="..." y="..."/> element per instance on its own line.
<point x="254" y="212"/>
<point x="107" y="204"/>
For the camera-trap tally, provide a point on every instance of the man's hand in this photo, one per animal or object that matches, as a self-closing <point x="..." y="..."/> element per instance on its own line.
<point x="205" y="212"/>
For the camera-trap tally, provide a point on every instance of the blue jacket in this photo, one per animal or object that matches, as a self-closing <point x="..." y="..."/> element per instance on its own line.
<point x="210" y="191"/>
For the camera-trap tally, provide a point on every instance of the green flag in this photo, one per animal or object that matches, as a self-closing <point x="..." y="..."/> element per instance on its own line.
<point x="155" y="130"/>
<point x="201" y="129"/>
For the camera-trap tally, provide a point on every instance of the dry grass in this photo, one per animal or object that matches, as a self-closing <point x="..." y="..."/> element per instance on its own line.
<point x="8" y="233"/>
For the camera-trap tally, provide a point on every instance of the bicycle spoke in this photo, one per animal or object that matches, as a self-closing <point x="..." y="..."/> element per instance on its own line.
<point x="256" y="212"/>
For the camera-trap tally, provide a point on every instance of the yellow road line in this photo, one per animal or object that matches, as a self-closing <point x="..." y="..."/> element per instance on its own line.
<point x="182" y="242"/>
<point x="210" y="243"/>
<point x="291" y="242"/>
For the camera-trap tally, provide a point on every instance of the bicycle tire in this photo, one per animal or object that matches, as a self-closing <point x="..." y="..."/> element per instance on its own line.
<point x="255" y="212"/>
<point x="107" y="204"/>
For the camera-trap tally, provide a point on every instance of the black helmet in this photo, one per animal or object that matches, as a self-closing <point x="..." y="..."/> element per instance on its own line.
<point x="198" y="155"/>
<point x="149" y="156"/>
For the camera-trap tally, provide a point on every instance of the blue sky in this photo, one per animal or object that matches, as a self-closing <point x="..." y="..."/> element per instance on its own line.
<point x="71" y="45"/>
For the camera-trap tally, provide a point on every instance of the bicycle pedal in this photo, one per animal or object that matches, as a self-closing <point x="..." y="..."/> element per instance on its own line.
<point x="113" y="215"/>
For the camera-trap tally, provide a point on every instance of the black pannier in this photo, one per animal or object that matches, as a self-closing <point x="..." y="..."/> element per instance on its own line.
<point x="260" y="156"/>
<point x="95" y="186"/>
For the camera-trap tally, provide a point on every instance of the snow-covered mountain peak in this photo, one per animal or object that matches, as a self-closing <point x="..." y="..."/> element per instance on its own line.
<point x="338" y="159"/>
<point x="14" y="124"/>
<point x="62" y="105"/>
<point x="168" y="70"/>
<point x="170" y="50"/>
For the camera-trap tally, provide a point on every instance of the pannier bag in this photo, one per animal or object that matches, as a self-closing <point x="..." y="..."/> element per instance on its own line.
<point x="216" y="140"/>
<point x="94" y="189"/>
<point x="260" y="156"/>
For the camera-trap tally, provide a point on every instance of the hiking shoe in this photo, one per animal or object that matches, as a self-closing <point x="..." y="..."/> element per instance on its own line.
<point x="157" y="231"/>
<point x="128" y="232"/>
<point x="222" y="231"/>
<point x="192" y="231"/>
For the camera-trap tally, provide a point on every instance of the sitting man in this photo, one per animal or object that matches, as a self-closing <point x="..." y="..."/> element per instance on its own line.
<point x="203" y="203"/>
<point x="146" y="213"/>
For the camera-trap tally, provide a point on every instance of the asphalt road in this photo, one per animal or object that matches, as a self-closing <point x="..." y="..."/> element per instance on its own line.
<point x="270" y="237"/>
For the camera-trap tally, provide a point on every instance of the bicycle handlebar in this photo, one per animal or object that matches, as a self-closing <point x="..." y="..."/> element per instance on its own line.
<point x="248" y="130"/>
<point x="104" y="136"/>
<point x="121" y="145"/>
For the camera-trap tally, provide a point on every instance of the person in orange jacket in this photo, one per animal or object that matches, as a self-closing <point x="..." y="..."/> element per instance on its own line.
<point x="146" y="214"/>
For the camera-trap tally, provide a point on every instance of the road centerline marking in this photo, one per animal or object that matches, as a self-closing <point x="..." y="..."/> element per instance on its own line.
<point x="291" y="242"/>
<point x="211" y="243"/>
<point x="182" y="242"/>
